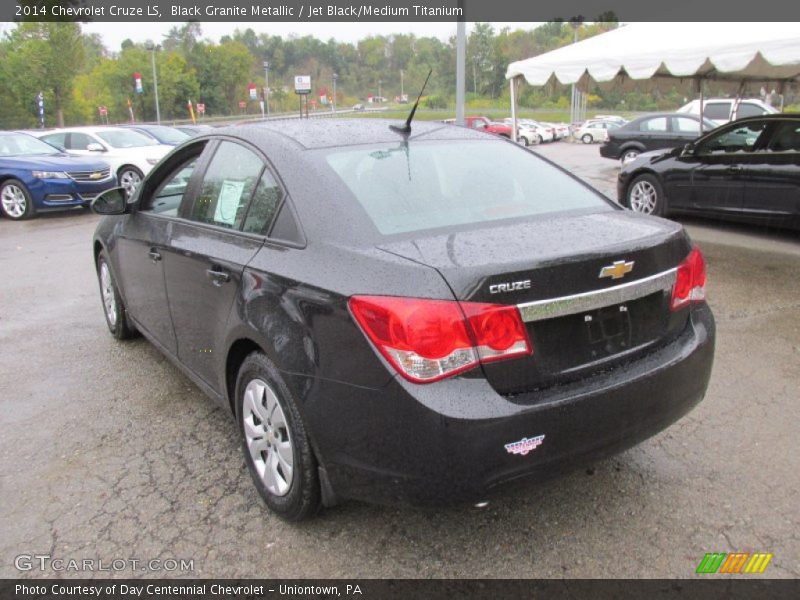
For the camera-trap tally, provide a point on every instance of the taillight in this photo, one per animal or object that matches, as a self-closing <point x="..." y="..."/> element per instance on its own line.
<point x="428" y="340"/>
<point x="690" y="283"/>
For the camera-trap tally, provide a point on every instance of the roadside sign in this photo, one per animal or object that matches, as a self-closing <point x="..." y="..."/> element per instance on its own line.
<point x="201" y="108"/>
<point x="253" y="91"/>
<point x="103" y="111"/>
<point x="137" y="82"/>
<point x="302" y="84"/>
<point x="242" y="104"/>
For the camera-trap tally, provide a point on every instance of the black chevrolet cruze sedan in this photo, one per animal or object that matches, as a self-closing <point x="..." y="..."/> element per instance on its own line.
<point x="748" y="170"/>
<point x="405" y="316"/>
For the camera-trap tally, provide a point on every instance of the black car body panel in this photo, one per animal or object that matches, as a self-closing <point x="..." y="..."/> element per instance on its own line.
<point x="207" y="296"/>
<point x="653" y="132"/>
<point x="757" y="183"/>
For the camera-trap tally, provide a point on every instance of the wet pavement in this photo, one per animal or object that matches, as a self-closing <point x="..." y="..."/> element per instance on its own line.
<point x="108" y="452"/>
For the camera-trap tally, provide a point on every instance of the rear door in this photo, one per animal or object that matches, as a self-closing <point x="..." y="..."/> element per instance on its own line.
<point x="655" y="133"/>
<point x="222" y="226"/>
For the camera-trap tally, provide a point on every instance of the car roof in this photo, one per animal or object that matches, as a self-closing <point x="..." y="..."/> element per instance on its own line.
<point x="335" y="132"/>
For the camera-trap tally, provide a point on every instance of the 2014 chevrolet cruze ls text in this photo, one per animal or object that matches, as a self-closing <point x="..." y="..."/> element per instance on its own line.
<point x="405" y="316"/>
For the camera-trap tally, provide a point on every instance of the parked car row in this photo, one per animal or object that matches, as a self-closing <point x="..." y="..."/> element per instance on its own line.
<point x="63" y="168"/>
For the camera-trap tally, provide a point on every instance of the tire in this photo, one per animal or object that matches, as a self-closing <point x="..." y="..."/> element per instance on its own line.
<point x="646" y="195"/>
<point x="539" y="139"/>
<point x="587" y="138"/>
<point x="130" y="178"/>
<point x="290" y="488"/>
<point x="15" y="200"/>
<point x="113" y="307"/>
<point x="628" y="155"/>
<point x="525" y="141"/>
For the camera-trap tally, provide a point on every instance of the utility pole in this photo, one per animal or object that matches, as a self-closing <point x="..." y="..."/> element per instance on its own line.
<point x="379" y="88"/>
<point x="266" y="84"/>
<point x="461" y="76"/>
<point x="153" y="48"/>
<point x="401" y="85"/>
<point x="335" y="77"/>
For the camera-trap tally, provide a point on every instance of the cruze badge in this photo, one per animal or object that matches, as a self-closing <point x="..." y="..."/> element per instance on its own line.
<point x="512" y="286"/>
<point x="525" y="445"/>
<point x="616" y="270"/>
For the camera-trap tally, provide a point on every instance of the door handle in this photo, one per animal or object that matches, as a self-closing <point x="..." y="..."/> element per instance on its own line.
<point x="735" y="168"/>
<point x="218" y="277"/>
<point x="154" y="255"/>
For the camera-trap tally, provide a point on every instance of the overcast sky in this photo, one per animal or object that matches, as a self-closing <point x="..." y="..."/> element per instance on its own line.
<point x="114" y="33"/>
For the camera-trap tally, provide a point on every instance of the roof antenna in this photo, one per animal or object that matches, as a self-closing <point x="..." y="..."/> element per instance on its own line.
<point x="406" y="129"/>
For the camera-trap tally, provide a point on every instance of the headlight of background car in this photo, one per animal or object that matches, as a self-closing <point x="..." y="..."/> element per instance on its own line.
<point x="49" y="174"/>
<point x="152" y="161"/>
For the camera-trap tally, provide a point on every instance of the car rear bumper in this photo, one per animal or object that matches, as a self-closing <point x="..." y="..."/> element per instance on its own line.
<point x="447" y="442"/>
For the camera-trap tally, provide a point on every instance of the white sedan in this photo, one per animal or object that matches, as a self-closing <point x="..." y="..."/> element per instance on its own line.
<point x="130" y="154"/>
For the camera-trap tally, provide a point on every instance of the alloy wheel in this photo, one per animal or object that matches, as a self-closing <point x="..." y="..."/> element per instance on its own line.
<point x="109" y="296"/>
<point x="643" y="197"/>
<point x="14" y="201"/>
<point x="268" y="438"/>
<point x="130" y="180"/>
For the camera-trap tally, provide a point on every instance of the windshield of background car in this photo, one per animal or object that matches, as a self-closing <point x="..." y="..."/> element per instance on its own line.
<point x="24" y="145"/>
<point x="417" y="186"/>
<point x="121" y="138"/>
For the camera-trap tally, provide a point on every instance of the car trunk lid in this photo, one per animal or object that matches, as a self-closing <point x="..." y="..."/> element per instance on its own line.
<point x="550" y="267"/>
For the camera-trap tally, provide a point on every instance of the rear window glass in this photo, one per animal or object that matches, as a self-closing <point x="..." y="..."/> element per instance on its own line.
<point x="426" y="185"/>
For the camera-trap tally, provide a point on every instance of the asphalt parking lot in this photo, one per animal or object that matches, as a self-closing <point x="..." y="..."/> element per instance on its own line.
<point x="108" y="452"/>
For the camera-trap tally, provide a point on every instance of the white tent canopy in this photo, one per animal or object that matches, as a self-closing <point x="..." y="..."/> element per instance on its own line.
<point x="767" y="52"/>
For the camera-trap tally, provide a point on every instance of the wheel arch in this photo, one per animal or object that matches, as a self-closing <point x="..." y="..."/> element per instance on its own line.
<point x="634" y="176"/>
<point x="631" y="144"/>
<point x="238" y="351"/>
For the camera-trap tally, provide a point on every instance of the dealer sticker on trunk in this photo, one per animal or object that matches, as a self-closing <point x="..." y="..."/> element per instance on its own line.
<point x="525" y="445"/>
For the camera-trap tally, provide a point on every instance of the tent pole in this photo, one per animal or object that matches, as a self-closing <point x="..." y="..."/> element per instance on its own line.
<point x="513" y="83"/>
<point x="700" y="85"/>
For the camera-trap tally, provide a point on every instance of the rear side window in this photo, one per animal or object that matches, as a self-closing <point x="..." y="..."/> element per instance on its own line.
<point x="265" y="203"/>
<point x="59" y="139"/>
<point x="657" y="124"/>
<point x="227" y="187"/>
<point x="425" y="185"/>
<point x="718" y="111"/>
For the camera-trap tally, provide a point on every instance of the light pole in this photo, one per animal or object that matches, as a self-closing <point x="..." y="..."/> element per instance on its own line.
<point x="379" y="89"/>
<point x="266" y="83"/>
<point x="335" y="77"/>
<point x="153" y="48"/>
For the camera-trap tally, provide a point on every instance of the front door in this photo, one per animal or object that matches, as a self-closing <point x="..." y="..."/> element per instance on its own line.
<point x="719" y="180"/>
<point x="143" y="244"/>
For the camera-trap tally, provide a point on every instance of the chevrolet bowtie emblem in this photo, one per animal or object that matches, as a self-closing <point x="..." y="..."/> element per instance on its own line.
<point x="95" y="175"/>
<point x="617" y="270"/>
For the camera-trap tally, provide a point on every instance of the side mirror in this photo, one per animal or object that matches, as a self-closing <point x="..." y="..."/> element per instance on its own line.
<point x="111" y="202"/>
<point x="95" y="147"/>
<point x="688" y="150"/>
